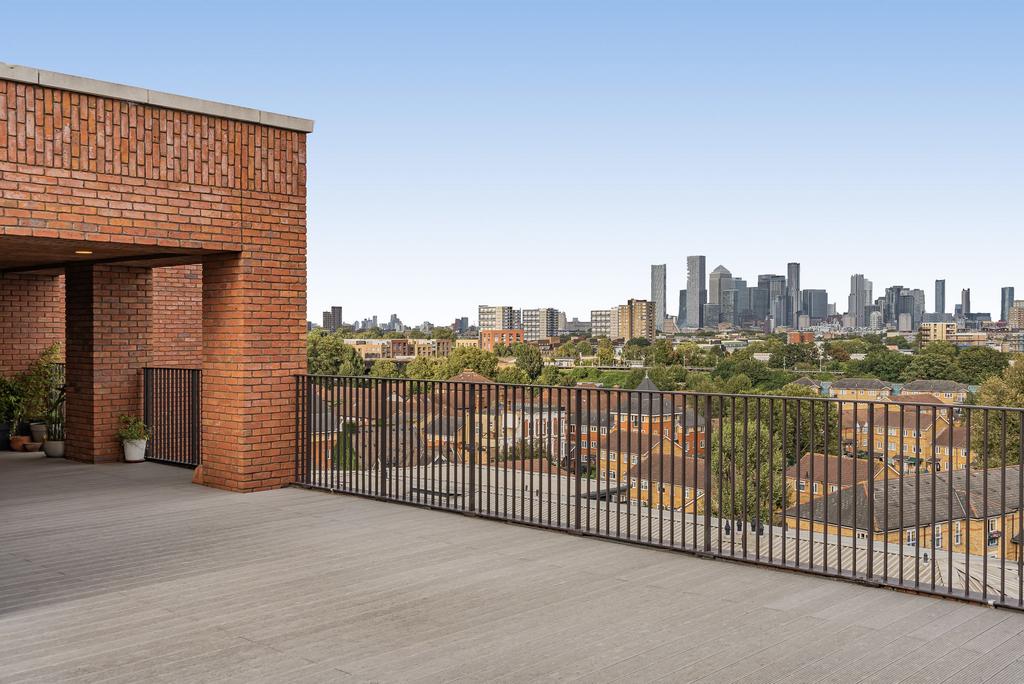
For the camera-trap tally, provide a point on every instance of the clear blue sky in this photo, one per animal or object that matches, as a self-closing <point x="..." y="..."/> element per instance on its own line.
<point x="543" y="153"/>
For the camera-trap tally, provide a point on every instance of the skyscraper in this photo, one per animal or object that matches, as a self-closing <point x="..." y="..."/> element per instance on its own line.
<point x="696" y="290"/>
<point x="332" y="319"/>
<point x="860" y="297"/>
<point x="965" y="302"/>
<point x="775" y="287"/>
<point x="658" y="294"/>
<point x="681" y="317"/>
<point x="792" y="293"/>
<point x="1006" y="303"/>
<point x="940" y="296"/>
<point x="719" y="281"/>
<point x="814" y="303"/>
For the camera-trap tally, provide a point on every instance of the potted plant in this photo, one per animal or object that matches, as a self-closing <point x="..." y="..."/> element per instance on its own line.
<point x="38" y="385"/>
<point x="133" y="434"/>
<point x="10" y="411"/>
<point x="54" y="444"/>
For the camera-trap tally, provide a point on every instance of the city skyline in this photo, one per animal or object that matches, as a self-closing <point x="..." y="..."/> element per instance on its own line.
<point x="566" y="151"/>
<point x="925" y="298"/>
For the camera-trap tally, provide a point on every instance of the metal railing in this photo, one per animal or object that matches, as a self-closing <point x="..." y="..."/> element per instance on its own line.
<point x="171" y="410"/>
<point x="921" y="496"/>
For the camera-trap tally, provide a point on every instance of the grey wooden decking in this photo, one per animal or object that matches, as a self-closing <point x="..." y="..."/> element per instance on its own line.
<point x="131" y="573"/>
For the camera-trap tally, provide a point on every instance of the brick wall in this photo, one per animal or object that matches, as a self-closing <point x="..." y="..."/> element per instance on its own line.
<point x="108" y="327"/>
<point x="177" y="337"/>
<point x="112" y="172"/>
<point x="32" y="314"/>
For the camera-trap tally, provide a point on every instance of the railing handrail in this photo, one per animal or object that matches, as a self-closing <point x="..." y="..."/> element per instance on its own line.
<point x="687" y="393"/>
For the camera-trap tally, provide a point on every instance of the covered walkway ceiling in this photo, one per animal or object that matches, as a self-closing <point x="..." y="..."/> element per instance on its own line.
<point x="25" y="254"/>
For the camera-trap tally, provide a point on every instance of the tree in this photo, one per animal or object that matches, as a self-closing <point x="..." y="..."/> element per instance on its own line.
<point x="883" y="364"/>
<point x="442" y="334"/>
<point x="1002" y="390"/>
<point x="554" y="377"/>
<point x="483" y="362"/>
<point x="385" y="368"/>
<point x="528" y="359"/>
<point x="512" y="375"/>
<point x="425" y="368"/>
<point x="605" y="352"/>
<point x="660" y="353"/>
<point x="929" y="365"/>
<point x="977" y="364"/>
<point x="743" y="470"/>
<point x="327" y="354"/>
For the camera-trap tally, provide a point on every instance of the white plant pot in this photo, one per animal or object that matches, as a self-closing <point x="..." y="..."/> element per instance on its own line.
<point x="54" y="448"/>
<point x="134" y="450"/>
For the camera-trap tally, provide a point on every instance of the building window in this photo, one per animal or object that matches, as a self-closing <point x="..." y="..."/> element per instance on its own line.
<point x="957" y="534"/>
<point x="937" y="536"/>
<point x="612" y="475"/>
<point x="644" y="485"/>
<point x="801" y="485"/>
<point x="832" y="488"/>
<point x="632" y="459"/>
<point x="815" y="488"/>
<point x="911" y="538"/>
<point x="632" y="482"/>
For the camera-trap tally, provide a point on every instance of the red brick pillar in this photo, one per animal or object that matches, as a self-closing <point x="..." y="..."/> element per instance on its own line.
<point x="108" y="313"/>
<point x="253" y="344"/>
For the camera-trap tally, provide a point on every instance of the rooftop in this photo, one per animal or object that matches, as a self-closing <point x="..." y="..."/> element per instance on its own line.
<point x="89" y="86"/>
<point x="129" y="573"/>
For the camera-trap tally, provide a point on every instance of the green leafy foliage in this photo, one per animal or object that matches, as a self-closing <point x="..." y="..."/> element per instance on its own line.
<point x="327" y="354"/>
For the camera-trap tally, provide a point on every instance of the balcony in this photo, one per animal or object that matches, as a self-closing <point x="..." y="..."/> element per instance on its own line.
<point x="130" y="573"/>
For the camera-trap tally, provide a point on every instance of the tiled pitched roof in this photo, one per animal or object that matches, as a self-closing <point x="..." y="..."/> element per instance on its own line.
<point x="861" y="383"/>
<point x="919" y="498"/>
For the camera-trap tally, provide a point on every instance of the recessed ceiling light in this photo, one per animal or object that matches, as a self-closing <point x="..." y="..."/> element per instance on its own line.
<point x="83" y="251"/>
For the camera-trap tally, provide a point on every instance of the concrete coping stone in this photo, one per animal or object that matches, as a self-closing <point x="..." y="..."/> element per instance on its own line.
<point x="89" y="86"/>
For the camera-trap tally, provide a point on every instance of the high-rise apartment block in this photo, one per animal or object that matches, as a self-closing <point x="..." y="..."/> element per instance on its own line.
<point x="497" y="317"/>
<point x="658" y="291"/>
<point x="634" y="319"/>
<point x="940" y="296"/>
<point x="539" y="324"/>
<point x="696" y="290"/>
<point x="601" y="323"/>
<point x="332" y="319"/>
<point x="965" y="302"/>
<point x="1015" y="317"/>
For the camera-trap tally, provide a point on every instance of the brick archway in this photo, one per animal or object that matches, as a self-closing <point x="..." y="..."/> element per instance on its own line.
<point x="101" y="184"/>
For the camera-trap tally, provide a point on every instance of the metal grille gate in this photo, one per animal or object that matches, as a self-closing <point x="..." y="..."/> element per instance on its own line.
<point x="171" y="411"/>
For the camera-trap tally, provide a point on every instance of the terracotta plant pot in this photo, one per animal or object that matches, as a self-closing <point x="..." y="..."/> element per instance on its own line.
<point x="33" y="446"/>
<point x="18" y="442"/>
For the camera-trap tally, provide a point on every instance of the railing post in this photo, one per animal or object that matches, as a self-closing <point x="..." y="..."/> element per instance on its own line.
<point x="381" y="454"/>
<point x="147" y="408"/>
<point x="472" y="447"/>
<point x="707" y="473"/>
<point x="298" y="424"/>
<point x="197" y="416"/>
<point x="579" y="457"/>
